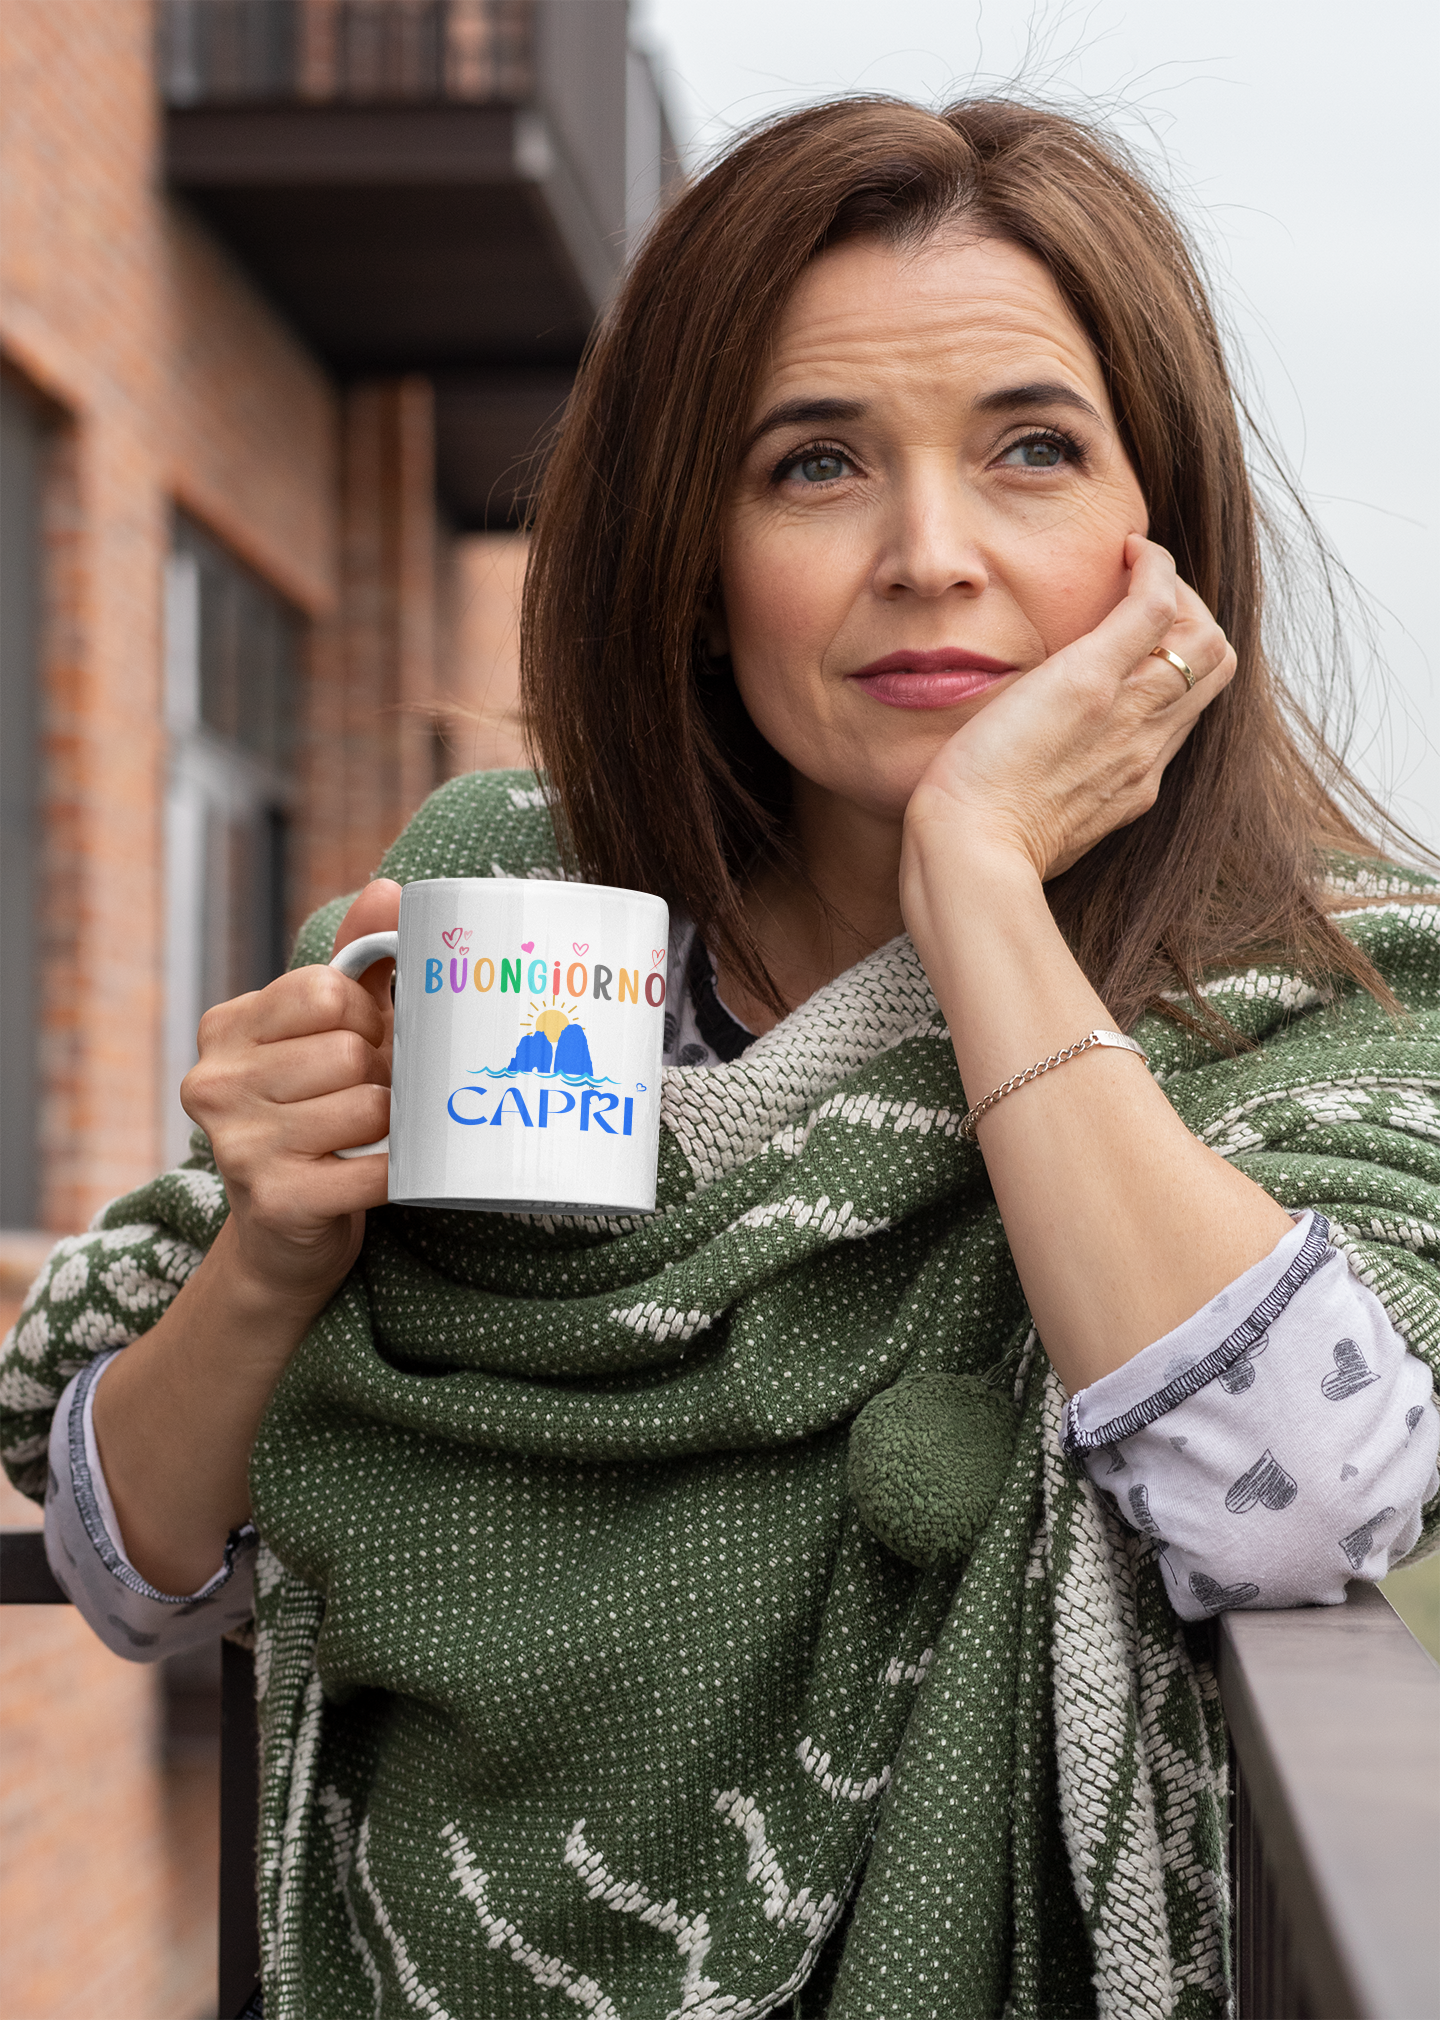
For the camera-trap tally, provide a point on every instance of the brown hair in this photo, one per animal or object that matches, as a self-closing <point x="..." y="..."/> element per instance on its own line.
<point x="661" y="782"/>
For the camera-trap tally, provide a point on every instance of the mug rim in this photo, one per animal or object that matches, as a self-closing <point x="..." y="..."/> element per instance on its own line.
<point x="535" y="885"/>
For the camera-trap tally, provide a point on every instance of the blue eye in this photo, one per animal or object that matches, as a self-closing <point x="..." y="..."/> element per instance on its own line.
<point x="1038" y="452"/>
<point x="817" y="466"/>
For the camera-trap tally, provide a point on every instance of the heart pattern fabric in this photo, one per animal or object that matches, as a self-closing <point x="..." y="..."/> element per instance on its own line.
<point x="1351" y="1373"/>
<point x="1237" y="1378"/>
<point x="1265" y="1484"/>
<point x="1361" y="1541"/>
<point x="1217" y="1598"/>
<point x="1140" y="1514"/>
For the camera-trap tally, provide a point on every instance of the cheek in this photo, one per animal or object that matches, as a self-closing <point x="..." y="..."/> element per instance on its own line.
<point x="778" y="698"/>
<point x="783" y="608"/>
<point x="1078" y="579"/>
<point x="1064" y="604"/>
<point x="786" y="594"/>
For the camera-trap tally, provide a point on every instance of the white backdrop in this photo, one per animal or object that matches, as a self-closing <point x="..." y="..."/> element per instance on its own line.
<point x="1300" y="142"/>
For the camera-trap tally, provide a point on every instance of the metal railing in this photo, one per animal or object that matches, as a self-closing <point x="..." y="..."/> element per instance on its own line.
<point x="1334" y="1717"/>
<point x="27" y="1580"/>
<point x="466" y="113"/>
<point x="222" y="52"/>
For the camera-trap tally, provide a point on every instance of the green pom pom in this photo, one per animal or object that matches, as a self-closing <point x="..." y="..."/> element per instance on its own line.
<point x="927" y="1460"/>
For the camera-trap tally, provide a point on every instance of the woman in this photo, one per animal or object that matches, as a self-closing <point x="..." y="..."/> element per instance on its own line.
<point x="789" y="1600"/>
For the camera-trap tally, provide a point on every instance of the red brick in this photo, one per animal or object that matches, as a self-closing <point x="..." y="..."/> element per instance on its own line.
<point x="171" y="381"/>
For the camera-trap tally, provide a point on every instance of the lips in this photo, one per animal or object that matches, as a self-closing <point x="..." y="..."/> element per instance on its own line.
<point x="938" y="678"/>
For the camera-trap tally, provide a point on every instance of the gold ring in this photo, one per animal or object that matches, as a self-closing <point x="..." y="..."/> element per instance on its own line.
<point x="1163" y="652"/>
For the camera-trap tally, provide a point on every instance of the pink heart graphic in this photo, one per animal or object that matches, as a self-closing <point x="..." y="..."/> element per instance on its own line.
<point x="581" y="946"/>
<point x="453" y="937"/>
<point x="657" y="955"/>
<point x="527" y="946"/>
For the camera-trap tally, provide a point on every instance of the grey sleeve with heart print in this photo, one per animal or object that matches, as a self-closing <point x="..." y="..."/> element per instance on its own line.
<point x="1279" y="1443"/>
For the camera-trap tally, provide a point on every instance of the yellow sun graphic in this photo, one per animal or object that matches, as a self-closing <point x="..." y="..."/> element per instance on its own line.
<point x="551" y="1020"/>
<point x="552" y="1023"/>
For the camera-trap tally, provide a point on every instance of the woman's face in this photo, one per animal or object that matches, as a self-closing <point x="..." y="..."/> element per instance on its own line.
<point x="933" y="499"/>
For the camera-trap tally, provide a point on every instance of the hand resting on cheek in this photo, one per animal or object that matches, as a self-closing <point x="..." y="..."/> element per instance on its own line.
<point x="1077" y="747"/>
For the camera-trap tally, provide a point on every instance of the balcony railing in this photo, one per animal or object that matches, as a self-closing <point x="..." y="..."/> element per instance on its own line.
<point x="1334" y="1716"/>
<point x="445" y="187"/>
<point x="352" y="51"/>
<point x="27" y="1580"/>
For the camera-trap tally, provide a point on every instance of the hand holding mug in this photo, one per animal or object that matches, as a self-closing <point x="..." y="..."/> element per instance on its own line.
<point x="288" y="1075"/>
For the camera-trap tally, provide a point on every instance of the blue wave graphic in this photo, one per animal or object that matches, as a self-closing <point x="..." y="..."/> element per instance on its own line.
<point x="529" y="1073"/>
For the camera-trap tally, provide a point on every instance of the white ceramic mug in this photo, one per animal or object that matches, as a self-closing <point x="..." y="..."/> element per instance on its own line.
<point x="529" y="1032"/>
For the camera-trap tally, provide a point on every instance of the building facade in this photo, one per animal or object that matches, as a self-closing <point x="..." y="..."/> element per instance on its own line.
<point x="290" y="292"/>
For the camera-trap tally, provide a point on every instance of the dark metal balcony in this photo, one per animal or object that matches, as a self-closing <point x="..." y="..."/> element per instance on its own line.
<point x="1334" y="1717"/>
<point x="439" y="186"/>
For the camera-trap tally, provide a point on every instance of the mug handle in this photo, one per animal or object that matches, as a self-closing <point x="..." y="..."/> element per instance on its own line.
<point x="353" y="961"/>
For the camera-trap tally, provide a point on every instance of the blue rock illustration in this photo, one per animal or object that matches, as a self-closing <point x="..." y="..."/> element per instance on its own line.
<point x="534" y="1052"/>
<point x="572" y="1053"/>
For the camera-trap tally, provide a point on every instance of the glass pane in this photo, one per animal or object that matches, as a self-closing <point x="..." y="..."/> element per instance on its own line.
<point x="248" y="652"/>
<point x="232" y="673"/>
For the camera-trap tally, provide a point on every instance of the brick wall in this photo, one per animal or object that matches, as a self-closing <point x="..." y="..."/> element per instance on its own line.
<point x="169" y="381"/>
<point x="369" y="746"/>
<point x="172" y="380"/>
<point x="109" y="1857"/>
<point x="416" y="676"/>
<point x="480" y="671"/>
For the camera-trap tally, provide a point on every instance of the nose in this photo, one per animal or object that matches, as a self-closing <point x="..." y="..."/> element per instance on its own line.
<point x="930" y="541"/>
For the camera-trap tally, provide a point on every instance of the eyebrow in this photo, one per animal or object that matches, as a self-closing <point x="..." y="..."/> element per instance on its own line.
<point x="1038" y="393"/>
<point x="805" y="413"/>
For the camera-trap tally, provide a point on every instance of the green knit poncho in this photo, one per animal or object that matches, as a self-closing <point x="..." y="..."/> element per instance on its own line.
<point x="586" y="1681"/>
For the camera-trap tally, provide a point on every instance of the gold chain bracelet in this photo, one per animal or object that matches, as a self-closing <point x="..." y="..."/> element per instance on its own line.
<point x="1091" y="1038"/>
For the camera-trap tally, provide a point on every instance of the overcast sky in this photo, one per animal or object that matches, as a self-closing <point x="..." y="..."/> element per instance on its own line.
<point x="1300" y="141"/>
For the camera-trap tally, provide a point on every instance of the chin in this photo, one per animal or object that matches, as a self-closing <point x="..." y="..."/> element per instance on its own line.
<point x="884" y="791"/>
<point x="866" y="768"/>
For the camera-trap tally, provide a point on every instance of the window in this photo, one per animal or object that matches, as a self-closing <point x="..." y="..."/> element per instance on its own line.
<point x="231" y="681"/>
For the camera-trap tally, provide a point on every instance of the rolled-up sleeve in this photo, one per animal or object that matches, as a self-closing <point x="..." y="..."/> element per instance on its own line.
<point x="87" y="1554"/>
<point x="1278" y="1444"/>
